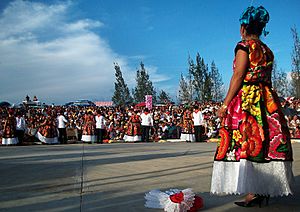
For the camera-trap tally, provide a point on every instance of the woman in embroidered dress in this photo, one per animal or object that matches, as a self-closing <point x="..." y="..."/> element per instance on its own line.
<point x="47" y="132"/>
<point x="89" y="128"/>
<point x="134" y="133"/>
<point x="187" y="132"/>
<point x="9" y="136"/>
<point x="254" y="154"/>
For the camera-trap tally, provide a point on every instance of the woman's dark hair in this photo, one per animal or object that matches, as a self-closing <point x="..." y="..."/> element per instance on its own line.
<point x="254" y="28"/>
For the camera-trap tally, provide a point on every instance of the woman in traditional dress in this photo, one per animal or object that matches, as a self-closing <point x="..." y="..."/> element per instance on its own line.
<point x="254" y="154"/>
<point x="89" y="128"/>
<point x="47" y="131"/>
<point x="187" y="130"/>
<point x="9" y="136"/>
<point x="134" y="133"/>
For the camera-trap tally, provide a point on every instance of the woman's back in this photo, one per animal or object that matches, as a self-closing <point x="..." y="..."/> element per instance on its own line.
<point x="260" y="61"/>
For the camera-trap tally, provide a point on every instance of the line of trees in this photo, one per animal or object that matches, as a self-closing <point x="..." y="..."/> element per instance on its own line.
<point x="202" y="83"/>
<point x="281" y="84"/>
<point x="144" y="86"/>
<point x="295" y="75"/>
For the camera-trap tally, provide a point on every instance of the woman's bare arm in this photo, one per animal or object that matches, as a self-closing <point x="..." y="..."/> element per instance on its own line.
<point x="241" y="64"/>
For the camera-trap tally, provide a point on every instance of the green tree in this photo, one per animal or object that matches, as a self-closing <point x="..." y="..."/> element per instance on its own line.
<point x="197" y="70"/>
<point x="279" y="81"/>
<point x="144" y="86"/>
<point x="296" y="64"/>
<point x="217" y="90"/>
<point x="164" y="97"/>
<point x="201" y="79"/>
<point x="184" y="94"/>
<point x="208" y="85"/>
<point x="121" y="95"/>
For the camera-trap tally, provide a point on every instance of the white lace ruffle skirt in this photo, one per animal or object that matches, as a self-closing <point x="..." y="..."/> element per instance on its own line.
<point x="89" y="138"/>
<point x="10" y="141"/>
<point x="187" y="137"/>
<point x="129" y="138"/>
<point x="274" y="178"/>
<point x="46" y="140"/>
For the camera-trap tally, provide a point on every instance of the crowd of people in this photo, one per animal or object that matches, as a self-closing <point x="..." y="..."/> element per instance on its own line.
<point x="96" y="124"/>
<point x="50" y="124"/>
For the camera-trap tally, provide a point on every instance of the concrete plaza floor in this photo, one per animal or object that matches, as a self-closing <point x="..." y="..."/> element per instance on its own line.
<point x="115" y="177"/>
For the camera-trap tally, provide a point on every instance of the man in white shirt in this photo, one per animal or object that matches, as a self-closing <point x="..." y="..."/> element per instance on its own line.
<point x="198" y="124"/>
<point x="62" y="132"/>
<point x="20" y="127"/>
<point x="100" y="126"/>
<point x="147" y="122"/>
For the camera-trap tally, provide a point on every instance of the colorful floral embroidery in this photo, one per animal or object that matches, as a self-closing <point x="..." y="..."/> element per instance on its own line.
<point x="274" y="144"/>
<point x="256" y="55"/>
<point x="238" y="154"/>
<point x="231" y="155"/>
<point x="223" y="144"/>
<point x="252" y="138"/>
<point x="260" y="68"/>
<point x="255" y="128"/>
<point x="251" y="96"/>
<point x="274" y="125"/>
<point x="269" y="100"/>
<point x="234" y="112"/>
<point x="237" y="136"/>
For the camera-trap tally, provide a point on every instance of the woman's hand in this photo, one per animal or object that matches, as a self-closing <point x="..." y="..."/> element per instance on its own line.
<point x="222" y="112"/>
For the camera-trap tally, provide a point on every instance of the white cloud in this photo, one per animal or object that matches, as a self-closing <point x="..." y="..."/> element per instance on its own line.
<point x="23" y="17"/>
<point x="155" y="77"/>
<point x="43" y="54"/>
<point x="82" y="25"/>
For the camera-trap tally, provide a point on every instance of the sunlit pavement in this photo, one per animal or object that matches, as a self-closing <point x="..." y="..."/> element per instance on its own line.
<point x="115" y="177"/>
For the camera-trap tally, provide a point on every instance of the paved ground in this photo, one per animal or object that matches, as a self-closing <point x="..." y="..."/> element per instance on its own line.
<point x="114" y="177"/>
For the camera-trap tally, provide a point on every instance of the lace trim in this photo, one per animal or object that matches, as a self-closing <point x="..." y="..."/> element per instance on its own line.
<point x="274" y="178"/>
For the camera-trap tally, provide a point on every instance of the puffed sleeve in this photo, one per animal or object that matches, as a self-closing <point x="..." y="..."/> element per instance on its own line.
<point x="242" y="45"/>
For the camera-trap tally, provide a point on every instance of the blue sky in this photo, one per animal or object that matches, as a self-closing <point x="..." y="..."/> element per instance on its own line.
<point x="64" y="50"/>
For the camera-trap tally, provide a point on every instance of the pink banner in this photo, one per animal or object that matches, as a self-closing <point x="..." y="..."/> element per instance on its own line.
<point x="148" y="101"/>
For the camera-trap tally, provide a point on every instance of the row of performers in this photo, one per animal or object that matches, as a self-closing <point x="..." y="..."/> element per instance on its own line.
<point x="192" y="127"/>
<point x="94" y="129"/>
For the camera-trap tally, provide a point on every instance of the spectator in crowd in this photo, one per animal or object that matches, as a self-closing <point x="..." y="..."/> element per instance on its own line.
<point x="35" y="98"/>
<point x="187" y="132"/>
<point x="20" y="127"/>
<point x="164" y="130"/>
<point x="297" y="132"/>
<point x="61" y="125"/>
<point x="89" y="127"/>
<point x="294" y="123"/>
<point x="147" y="122"/>
<point x="100" y="126"/>
<point x="211" y="129"/>
<point x="198" y="124"/>
<point x="9" y="136"/>
<point x="78" y="127"/>
<point x="133" y="128"/>
<point x="47" y="132"/>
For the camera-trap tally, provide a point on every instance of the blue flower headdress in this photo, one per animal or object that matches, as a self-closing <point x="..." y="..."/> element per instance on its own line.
<point x="259" y="14"/>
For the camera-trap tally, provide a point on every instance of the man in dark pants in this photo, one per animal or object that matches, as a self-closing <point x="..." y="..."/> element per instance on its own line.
<point x="100" y="126"/>
<point x="62" y="132"/>
<point x="198" y="124"/>
<point x="20" y="127"/>
<point x="147" y="122"/>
